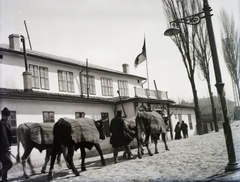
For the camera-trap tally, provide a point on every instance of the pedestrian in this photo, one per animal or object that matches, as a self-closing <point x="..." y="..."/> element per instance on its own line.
<point x="121" y="136"/>
<point x="184" y="128"/>
<point x="177" y="131"/>
<point x="5" y="144"/>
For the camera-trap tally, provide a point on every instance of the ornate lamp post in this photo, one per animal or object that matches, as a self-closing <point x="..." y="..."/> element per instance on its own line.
<point x="193" y="20"/>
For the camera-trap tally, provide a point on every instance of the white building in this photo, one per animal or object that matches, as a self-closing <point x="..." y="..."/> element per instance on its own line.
<point x="39" y="87"/>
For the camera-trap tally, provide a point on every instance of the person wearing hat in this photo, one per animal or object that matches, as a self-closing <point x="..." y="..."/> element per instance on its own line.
<point x="121" y="136"/>
<point x="5" y="144"/>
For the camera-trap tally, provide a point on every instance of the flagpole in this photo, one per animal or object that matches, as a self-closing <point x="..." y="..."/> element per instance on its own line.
<point x="147" y="73"/>
<point x="146" y="63"/>
<point x="143" y="57"/>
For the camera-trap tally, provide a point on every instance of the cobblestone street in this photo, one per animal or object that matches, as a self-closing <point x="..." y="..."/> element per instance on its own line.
<point x="198" y="158"/>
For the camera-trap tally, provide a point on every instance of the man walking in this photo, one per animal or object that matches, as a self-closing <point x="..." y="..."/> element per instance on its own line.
<point x="184" y="128"/>
<point x="121" y="136"/>
<point x="5" y="144"/>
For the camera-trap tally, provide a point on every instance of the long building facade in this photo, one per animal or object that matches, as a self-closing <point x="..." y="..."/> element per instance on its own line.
<point x="39" y="87"/>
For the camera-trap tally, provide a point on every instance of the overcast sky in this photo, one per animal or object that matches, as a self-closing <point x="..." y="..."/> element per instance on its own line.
<point x="110" y="33"/>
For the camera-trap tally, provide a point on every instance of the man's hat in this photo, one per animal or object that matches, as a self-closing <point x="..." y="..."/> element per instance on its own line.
<point x="119" y="113"/>
<point x="5" y="112"/>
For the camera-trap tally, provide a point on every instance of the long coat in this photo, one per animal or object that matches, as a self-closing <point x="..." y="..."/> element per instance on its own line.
<point x="184" y="128"/>
<point x="5" y="145"/>
<point x="121" y="135"/>
<point x="177" y="131"/>
<point x="5" y="137"/>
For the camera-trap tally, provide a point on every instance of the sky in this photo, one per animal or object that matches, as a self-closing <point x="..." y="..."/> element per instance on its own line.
<point x="110" y="33"/>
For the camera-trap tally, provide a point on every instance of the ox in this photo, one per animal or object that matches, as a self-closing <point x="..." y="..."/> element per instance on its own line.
<point x="74" y="134"/>
<point x="34" y="135"/>
<point x="150" y="124"/>
<point x="40" y="136"/>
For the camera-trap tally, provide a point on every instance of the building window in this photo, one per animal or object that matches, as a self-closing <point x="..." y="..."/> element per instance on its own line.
<point x="35" y="75"/>
<point x="106" y="124"/>
<point x="70" y="83"/>
<point x="48" y="117"/>
<point x="79" y="115"/>
<point x="88" y="84"/>
<point x="107" y="86"/>
<point x="44" y="78"/>
<point x="13" y="122"/>
<point x="65" y="81"/>
<point x="123" y="88"/>
<point x="180" y="117"/>
<point x="39" y="73"/>
<point x="190" y="122"/>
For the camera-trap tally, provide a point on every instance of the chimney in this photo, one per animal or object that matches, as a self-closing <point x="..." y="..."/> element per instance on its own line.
<point x="14" y="41"/>
<point x="125" y="68"/>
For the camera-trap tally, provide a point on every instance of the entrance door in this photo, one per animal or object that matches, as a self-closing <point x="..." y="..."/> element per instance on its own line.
<point x="105" y="115"/>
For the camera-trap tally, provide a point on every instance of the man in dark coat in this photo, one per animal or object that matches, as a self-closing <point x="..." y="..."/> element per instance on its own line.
<point x="184" y="128"/>
<point x="121" y="135"/>
<point x="5" y="144"/>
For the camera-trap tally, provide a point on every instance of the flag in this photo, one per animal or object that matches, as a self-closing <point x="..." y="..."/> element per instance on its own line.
<point x="142" y="56"/>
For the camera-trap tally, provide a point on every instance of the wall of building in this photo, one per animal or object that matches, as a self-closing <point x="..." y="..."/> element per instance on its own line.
<point x="11" y="69"/>
<point x="16" y="65"/>
<point x="32" y="111"/>
<point x="184" y="112"/>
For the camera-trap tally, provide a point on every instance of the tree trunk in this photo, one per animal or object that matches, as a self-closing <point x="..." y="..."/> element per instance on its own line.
<point x="214" y="114"/>
<point x="238" y="89"/>
<point x="197" y="110"/>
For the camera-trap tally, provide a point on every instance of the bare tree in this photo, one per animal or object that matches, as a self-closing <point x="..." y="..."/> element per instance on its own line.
<point x="230" y="47"/>
<point x="203" y="55"/>
<point x="185" y="42"/>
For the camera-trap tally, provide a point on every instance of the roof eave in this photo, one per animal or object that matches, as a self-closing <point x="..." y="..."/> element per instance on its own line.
<point x="30" y="54"/>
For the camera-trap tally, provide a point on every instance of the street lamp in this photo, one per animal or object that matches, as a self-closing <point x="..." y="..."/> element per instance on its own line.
<point x="193" y="20"/>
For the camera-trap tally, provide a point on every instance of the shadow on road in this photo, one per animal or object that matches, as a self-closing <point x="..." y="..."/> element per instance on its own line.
<point x="39" y="177"/>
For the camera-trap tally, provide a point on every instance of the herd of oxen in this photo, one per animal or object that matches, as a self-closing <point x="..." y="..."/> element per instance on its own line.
<point x="68" y="135"/>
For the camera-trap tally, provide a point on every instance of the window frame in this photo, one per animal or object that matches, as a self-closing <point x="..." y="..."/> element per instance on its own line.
<point x="79" y="115"/>
<point x="190" y="122"/>
<point x="65" y="81"/>
<point x="44" y="79"/>
<point x="40" y="78"/>
<point x="106" y="124"/>
<point x="13" y="123"/>
<point x="35" y="75"/>
<point x="51" y="116"/>
<point x="123" y="88"/>
<point x="180" y="117"/>
<point x="70" y="81"/>
<point x="107" y="86"/>
<point x="91" y="84"/>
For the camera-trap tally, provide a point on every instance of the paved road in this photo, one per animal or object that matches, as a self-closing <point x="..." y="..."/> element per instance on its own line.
<point x="199" y="158"/>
